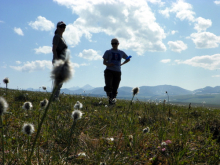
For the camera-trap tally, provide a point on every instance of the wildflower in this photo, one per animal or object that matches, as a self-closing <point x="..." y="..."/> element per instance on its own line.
<point x="62" y="71"/>
<point x="3" y="106"/>
<point x="44" y="103"/>
<point x="168" y="141"/>
<point x="27" y="106"/>
<point x="146" y="130"/>
<point x="81" y="154"/>
<point x="163" y="149"/>
<point x="6" y="80"/>
<point x="78" y="105"/>
<point x="135" y="90"/>
<point x="163" y="143"/>
<point x="44" y="88"/>
<point x="110" y="139"/>
<point x="28" y="128"/>
<point x="76" y="114"/>
<point x="130" y="137"/>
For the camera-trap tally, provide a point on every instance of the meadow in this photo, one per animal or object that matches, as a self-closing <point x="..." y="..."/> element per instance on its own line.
<point x="132" y="133"/>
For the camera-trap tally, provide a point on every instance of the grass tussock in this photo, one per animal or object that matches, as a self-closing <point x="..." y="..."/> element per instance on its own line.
<point x="83" y="130"/>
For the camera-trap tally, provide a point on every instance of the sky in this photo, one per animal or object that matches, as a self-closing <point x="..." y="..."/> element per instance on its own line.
<point x="172" y="42"/>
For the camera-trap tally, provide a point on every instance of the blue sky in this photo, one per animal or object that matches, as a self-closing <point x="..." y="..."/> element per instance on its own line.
<point x="173" y="42"/>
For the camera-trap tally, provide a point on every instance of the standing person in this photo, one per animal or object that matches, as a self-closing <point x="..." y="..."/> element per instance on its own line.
<point x="59" y="50"/>
<point x="112" y="60"/>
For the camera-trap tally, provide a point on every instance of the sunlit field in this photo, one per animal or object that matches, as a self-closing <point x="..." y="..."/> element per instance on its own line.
<point x="129" y="132"/>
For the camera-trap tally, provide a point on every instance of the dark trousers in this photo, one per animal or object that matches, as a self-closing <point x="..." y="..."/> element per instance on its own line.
<point x="112" y="80"/>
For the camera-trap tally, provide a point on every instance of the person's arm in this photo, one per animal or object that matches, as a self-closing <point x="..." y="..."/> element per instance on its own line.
<point x="54" y="52"/>
<point x="126" y="61"/>
<point x="106" y="63"/>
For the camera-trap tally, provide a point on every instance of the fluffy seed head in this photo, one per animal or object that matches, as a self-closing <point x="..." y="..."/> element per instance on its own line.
<point x="28" y="128"/>
<point x="44" y="88"/>
<point x="146" y="130"/>
<point x="3" y="106"/>
<point x="44" y="103"/>
<point x="27" y="106"/>
<point x="135" y="90"/>
<point x="78" y="105"/>
<point x="76" y="114"/>
<point x="62" y="71"/>
<point x="6" y="80"/>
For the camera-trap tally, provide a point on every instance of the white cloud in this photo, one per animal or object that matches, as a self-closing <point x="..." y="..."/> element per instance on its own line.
<point x="174" y="32"/>
<point x="205" y="40"/>
<point x="216" y="76"/>
<point x="217" y="2"/>
<point x="90" y="54"/>
<point x="202" y="24"/>
<point x="156" y="2"/>
<point x="18" y="62"/>
<point x="43" y="49"/>
<point x="182" y="10"/>
<point x="2" y="21"/>
<point x="39" y="65"/>
<point x="42" y="24"/>
<point x="33" y="66"/>
<point x="132" y="22"/>
<point x="165" y="12"/>
<point x="177" y="46"/>
<point x="18" y="31"/>
<point x="210" y="62"/>
<point x="165" y="60"/>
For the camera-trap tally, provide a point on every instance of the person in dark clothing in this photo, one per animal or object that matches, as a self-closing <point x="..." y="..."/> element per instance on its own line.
<point x="59" y="50"/>
<point x="112" y="59"/>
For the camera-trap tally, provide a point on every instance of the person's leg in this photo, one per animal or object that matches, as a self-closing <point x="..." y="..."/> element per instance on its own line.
<point x="115" y="83"/>
<point x="108" y="82"/>
<point x="57" y="93"/>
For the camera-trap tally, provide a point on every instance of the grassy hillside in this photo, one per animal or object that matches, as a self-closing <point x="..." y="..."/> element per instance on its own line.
<point x="108" y="135"/>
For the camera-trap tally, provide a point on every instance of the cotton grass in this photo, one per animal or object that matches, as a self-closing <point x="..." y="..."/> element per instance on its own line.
<point x="28" y="129"/>
<point x="27" y="106"/>
<point x="62" y="71"/>
<point x="3" y="106"/>
<point x="76" y="115"/>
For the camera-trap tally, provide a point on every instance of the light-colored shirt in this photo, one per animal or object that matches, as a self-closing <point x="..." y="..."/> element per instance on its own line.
<point x="114" y="56"/>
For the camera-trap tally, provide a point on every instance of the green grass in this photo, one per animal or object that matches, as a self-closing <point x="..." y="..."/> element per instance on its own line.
<point x="190" y="131"/>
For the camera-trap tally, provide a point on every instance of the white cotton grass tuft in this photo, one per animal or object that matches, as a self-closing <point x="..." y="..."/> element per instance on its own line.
<point x="146" y="130"/>
<point x="28" y="128"/>
<point x="3" y="106"/>
<point x="43" y="104"/>
<point x="78" y="105"/>
<point x="6" y="80"/>
<point x="76" y="115"/>
<point x="44" y="88"/>
<point x="135" y="90"/>
<point x="27" y="106"/>
<point x="62" y="71"/>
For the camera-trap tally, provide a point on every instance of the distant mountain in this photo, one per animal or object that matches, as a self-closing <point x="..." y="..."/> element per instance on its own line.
<point x="74" y="88"/>
<point x="82" y="89"/>
<point x="87" y="87"/>
<point x="161" y="90"/>
<point x="144" y="91"/>
<point x="207" y="90"/>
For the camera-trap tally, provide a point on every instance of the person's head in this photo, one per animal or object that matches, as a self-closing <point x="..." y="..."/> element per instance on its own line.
<point x="60" y="27"/>
<point x="114" y="43"/>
